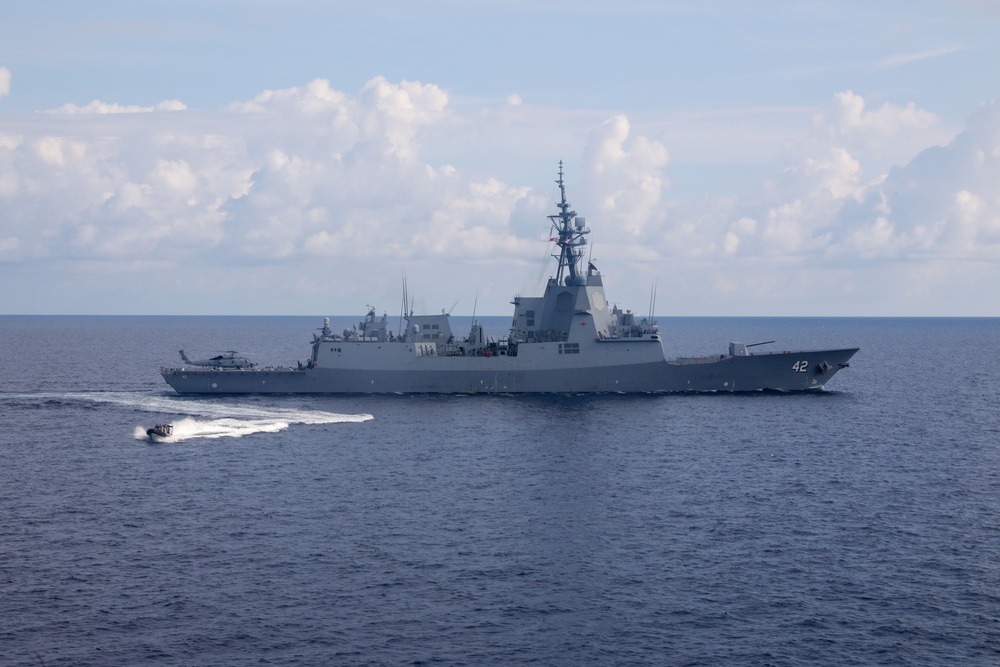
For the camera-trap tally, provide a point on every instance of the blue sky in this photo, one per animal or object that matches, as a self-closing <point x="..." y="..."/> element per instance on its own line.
<point x="774" y="158"/>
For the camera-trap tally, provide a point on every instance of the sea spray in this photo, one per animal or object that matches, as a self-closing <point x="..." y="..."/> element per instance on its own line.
<point x="203" y="419"/>
<point x="187" y="428"/>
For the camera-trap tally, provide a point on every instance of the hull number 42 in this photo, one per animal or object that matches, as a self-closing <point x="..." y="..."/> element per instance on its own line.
<point x="800" y="366"/>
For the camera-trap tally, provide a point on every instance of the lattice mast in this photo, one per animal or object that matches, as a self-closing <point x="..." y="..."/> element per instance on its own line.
<point x="570" y="237"/>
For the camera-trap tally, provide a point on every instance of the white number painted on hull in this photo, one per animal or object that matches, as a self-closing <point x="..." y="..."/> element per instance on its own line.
<point x="800" y="366"/>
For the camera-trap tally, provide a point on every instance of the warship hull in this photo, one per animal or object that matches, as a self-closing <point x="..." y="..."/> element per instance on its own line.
<point x="569" y="340"/>
<point x="779" y="371"/>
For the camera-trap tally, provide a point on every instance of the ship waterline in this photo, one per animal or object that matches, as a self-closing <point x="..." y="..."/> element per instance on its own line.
<point x="773" y="371"/>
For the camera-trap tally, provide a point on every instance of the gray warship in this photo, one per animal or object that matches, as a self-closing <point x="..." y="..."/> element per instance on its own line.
<point x="569" y="340"/>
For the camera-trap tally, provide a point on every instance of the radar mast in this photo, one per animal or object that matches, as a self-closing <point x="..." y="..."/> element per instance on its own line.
<point x="570" y="236"/>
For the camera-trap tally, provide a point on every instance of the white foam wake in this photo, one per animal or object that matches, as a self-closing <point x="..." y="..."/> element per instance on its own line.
<point x="205" y="419"/>
<point x="187" y="428"/>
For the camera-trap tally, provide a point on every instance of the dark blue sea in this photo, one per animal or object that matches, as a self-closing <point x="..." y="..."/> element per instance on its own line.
<point x="857" y="526"/>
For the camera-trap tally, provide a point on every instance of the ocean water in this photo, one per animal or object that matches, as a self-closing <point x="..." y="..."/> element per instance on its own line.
<point x="858" y="526"/>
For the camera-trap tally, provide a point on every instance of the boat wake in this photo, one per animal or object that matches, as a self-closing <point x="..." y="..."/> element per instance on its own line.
<point x="198" y="419"/>
<point x="188" y="428"/>
<point x="226" y="420"/>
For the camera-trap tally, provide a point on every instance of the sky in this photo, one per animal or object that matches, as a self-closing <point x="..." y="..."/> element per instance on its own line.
<point x="257" y="157"/>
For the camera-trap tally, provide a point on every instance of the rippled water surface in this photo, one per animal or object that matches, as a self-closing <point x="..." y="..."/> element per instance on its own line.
<point x="858" y="526"/>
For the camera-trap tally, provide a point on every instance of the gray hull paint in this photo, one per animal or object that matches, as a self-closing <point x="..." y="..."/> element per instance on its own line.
<point x="784" y="371"/>
<point x="569" y="340"/>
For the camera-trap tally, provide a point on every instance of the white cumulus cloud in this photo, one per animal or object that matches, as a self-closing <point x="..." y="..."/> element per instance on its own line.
<point x="624" y="179"/>
<point x="99" y="107"/>
<point x="944" y="202"/>
<point x="307" y="185"/>
<point x="887" y="135"/>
